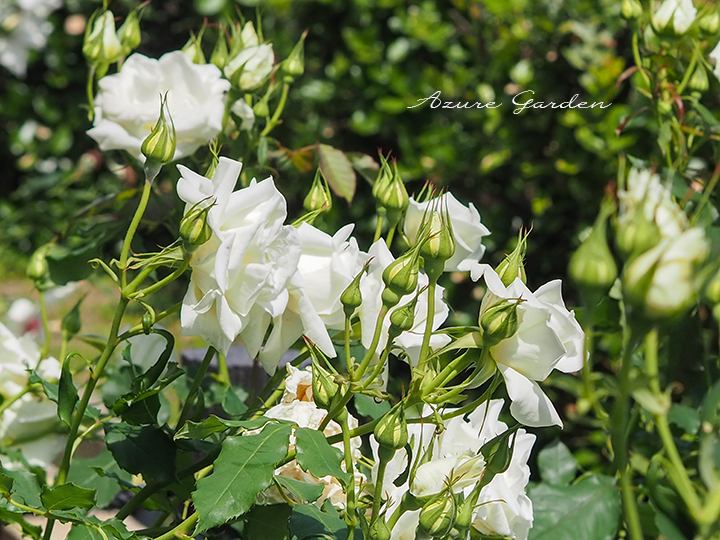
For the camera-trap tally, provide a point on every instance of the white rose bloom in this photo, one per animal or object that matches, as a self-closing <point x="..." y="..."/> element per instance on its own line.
<point x="681" y="12"/>
<point x="17" y="357"/>
<point x="467" y="229"/>
<point x="251" y="66"/>
<point x="536" y="348"/>
<point x="503" y="507"/>
<point x="240" y="276"/>
<point x="23" y="317"/>
<point x="244" y="111"/>
<point x="307" y="415"/>
<point x="24" y="29"/>
<point x="326" y="267"/>
<point x="715" y="55"/>
<point x="371" y="287"/>
<point x="672" y="263"/>
<point x="646" y="189"/>
<point x="127" y="105"/>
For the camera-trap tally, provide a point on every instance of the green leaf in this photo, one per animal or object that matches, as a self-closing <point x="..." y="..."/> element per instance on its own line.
<point x="142" y="450"/>
<point x="557" y="464"/>
<point x="90" y="530"/>
<point x="213" y="424"/>
<point x="25" y="488"/>
<point x="302" y="492"/>
<point x="498" y="453"/>
<point x="243" y="469"/>
<point x="338" y="171"/>
<point x="7" y="517"/>
<point x="232" y="403"/>
<point x="83" y="473"/>
<point x="589" y="509"/>
<point x="684" y="417"/>
<point x="309" y="521"/>
<point x="268" y="522"/>
<point x="315" y="455"/>
<point x="6" y="483"/>
<point x="68" y="496"/>
<point x="364" y="164"/>
<point x="67" y="393"/>
<point x="367" y="406"/>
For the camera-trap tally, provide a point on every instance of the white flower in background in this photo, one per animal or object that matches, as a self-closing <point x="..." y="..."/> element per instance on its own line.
<point x="681" y="12"/>
<point x="306" y="414"/>
<point x="243" y="111"/>
<point x="127" y="105"/>
<point x="23" y="315"/>
<point x="371" y="287"/>
<point x="249" y="68"/>
<point x="715" y="55"/>
<point x="326" y="267"/>
<point x="503" y="506"/>
<point x="662" y="279"/>
<point x="645" y="190"/>
<point x="19" y="355"/>
<point x="466" y="225"/>
<point x="23" y="28"/>
<point x="536" y="348"/>
<point x="240" y="276"/>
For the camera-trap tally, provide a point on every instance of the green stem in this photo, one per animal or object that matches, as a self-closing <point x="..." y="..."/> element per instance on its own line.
<point x="688" y="73"/>
<point x="138" y="329"/>
<point x="428" y="323"/>
<point x="350" y="516"/>
<point x="380" y="366"/>
<point x="589" y="395"/>
<point x="373" y="346"/>
<point x="46" y="329"/>
<point x="9" y="401"/>
<point x="378" y="228"/>
<point x="132" y="229"/>
<point x="348" y="359"/>
<point x="164" y="281"/>
<point x="279" y="391"/>
<point x="278" y="111"/>
<point x="223" y="373"/>
<point x="197" y="381"/>
<point x="390" y="236"/>
<point x="90" y="97"/>
<point x="181" y="530"/>
<point x="377" y="496"/>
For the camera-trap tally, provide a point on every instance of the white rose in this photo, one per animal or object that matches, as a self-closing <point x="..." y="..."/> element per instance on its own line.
<point x="535" y="349"/>
<point x="371" y="287"/>
<point x="251" y="66"/>
<point x="23" y="30"/>
<point x="467" y="229"/>
<point x="240" y="276"/>
<point x="326" y="267"/>
<point x="127" y="105"/>
<point x="681" y="12"/>
<point x="18" y="356"/>
<point x="503" y="506"/>
<point x="298" y="385"/>
<point x="645" y="190"/>
<point x="671" y="267"/>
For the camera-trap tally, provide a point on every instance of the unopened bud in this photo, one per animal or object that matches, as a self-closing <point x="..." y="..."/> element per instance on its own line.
<point x="318" y="198"/>
<point x="513" y="265"/>
<point x="636" y="234"/>
<point x="193" y="48"/>
<point x="294" y="65"/>
<point x="220" y="53"/>
<point x="379" y="530"/>
<point x="391" y="431"/>
<point x="466" y="512"/>
<point x="439" y="245"/>
<point x="194" y="227"/>
<point x="262" y="109"/>
<point x="381" y="183"/>
<point x="351" y="298"/>
<point x="400" y="278"/>
<point x="499" y="321"/>
<point x="631" y="9"/>
<point x="394" y="198"/>
<point x="159" y="146"/>
<point x="592" y="266"/>
<point x="37" y="268"/>
<point x="699" y="80"/>
<point x="710" y="23"/>
<point x="101" y="44"/>
<point x="712" y="289"/>
<point x="323" y="385"/>
<point x="438" y="515"/>
<point x="129" y="33"/>
<point x="403" y="318"/>
<point x="71" y="323"/>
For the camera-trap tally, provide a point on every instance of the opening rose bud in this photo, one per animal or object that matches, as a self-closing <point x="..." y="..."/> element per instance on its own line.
<point x="439" y="245"/>
<point x="101" y="45"/>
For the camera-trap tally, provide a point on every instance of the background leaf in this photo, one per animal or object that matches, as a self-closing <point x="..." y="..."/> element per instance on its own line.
<point x="68" y="496"/>
<point x="338" y="171"/>
<point x="142" y="450"/>
<point x="557" y="464"/>
<point x="314" y="454"/>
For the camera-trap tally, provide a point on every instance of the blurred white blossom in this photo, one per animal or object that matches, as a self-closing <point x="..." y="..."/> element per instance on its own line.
<point x="23" y="28"/>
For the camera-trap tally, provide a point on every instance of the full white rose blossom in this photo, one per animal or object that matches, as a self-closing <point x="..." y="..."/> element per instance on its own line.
<point x="645" y="190"/>
<point x="127" y="105"/>
<point x="28" y="423"/>
<point x="326" y="267"/>
<point x="24" y="28"/>
<point x="371" y="287"/>
<point x="240" y="276"/>
<point x="297" y="405"/>
<point x="547" y="338"/>
<point x="503" y="509"/>
<point x="467" y="230"/>
<point x="681" y="12"/>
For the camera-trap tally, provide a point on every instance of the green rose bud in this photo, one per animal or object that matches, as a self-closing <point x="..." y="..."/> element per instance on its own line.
<point x="394" y="198"/>
<point x="129" y="33"/>
<point x="499" y="321"/>
<point x="631" y="9"/>
<point x="592" y="266"/>
<point x="379" y="530"/>
<point x="159" y="146"/>
<point x="261" y="109"/>
<point x="400" y="277"/>
<point x="294" y="65"/>
<point x="194" y="227"/>
<point x="323" y="385"/>
<point x="699" y="80"/>
<point x="636" y="234"/>
<point x="513" y="265"/>
<point x="391" y="431"/>
<point x="710" y="23"/>
<point x="220" y="53"/>
<point x="712" y="289"/>
<point x="37" y="268"/>
<point x="351" y="298"/>
<point x="101" y="44"/>
<point x="381" y="183"/>
<point x="193" y="48"/>
<point x="465" y="511"/>
<point x="318" y="198"/>
<point x="438" y="515"/>
<point x="439" y="244"/>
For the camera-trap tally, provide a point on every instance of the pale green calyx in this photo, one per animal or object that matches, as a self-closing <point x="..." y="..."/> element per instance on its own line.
<point x="159" y="146"/>
<point x="631" y="9"/>
<point x="400" y="277"/>
<point x="351" y="298"/>
<point x="323" y="385"/>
